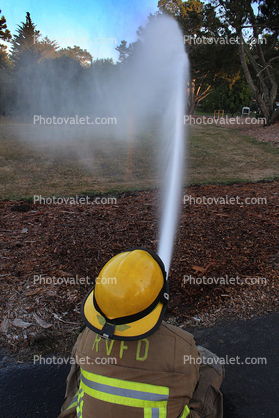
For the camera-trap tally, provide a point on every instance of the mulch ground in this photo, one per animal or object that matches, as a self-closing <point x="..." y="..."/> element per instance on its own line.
<point x="71" y="243"/>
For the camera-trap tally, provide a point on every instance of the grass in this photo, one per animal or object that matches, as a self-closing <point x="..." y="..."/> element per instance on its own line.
<point x="47" y="161"/>
<point x="224" y="155"/>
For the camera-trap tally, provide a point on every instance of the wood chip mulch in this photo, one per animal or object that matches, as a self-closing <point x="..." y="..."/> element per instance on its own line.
<point x="71" y="243"/>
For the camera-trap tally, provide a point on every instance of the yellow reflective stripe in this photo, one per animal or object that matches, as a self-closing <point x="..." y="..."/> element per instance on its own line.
<point x="155" y="412"/>
<point x="122" y="392"/>
<point x="162" y="413"/>
<point x="121" y="400"/>
<point x="125" y="384"/>
<point x="80" y="403"/>
<point x="147" y="413"/>
<point x="74" y="402"/>
<point x="186" y="412"/>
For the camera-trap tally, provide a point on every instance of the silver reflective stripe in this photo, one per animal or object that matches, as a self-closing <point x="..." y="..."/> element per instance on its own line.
<point x="155" y="413"/>
<point x="127" y="393"/>
<point x="79" y="415"/>
<point x="73" y="401"/>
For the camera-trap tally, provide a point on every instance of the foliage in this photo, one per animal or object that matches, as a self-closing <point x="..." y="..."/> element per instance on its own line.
<point x="5" y="68"/>
<point x="41" y="77"/>
<point x="25" y="49"/>
<point x="5" y="34"/>
<point x="257" y="46"/>
<point x="229" y="97"/>
<point x="124" y="52"/>
<point x="82" y="55"/>
<point x="210" y="58"/>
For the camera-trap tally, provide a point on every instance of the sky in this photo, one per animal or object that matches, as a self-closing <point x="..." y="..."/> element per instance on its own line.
<point x="96" y="25"/>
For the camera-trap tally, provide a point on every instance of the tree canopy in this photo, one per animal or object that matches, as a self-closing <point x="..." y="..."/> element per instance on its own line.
<point x="38" y="64"/>
<point x="256" y="24"/>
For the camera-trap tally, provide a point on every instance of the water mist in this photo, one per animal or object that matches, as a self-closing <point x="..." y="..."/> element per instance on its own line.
<point x="175" y="74"/>
<point x="146" y="91"/>
<point x="158" y="81"/>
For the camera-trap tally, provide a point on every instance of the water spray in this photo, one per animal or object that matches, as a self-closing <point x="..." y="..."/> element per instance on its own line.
<point x="159" y="73"/>
<point x="174" y="138"/>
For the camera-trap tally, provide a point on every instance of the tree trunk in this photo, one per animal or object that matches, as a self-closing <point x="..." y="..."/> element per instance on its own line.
<point x="253" y="88"/>
<point x="196" y="94"/>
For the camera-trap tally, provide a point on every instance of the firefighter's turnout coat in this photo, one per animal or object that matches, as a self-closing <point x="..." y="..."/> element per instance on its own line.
<point x="160" y="376"/>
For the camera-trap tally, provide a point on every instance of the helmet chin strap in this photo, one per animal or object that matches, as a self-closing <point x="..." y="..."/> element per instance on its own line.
<point x="112" y="324"/>
<point x="108" y="330"/>
<point x="163" y="297"/>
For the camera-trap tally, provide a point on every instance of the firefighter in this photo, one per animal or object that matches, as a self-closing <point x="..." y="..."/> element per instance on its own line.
<point x="128" y="361"/>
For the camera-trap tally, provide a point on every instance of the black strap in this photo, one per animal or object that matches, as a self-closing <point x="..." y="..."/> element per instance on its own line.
<point x="162" y="297"/>
<point x="108" y="330"/>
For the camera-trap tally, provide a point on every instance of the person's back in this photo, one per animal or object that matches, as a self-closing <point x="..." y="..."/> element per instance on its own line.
<point x="156" y="375"/>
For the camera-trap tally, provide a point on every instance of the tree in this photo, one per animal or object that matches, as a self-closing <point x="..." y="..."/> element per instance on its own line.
<point x="47" y="49"/>
<point x="29" y="51"/>
<point x="5" y="34"/>
<point x="124" y="52"/>
<point x="211" y="64"/>
<point x="25" y="43"/>
<point x="229" y="96"/>
<point x="5" y="63"/>
<point x="259" y="53"/>
<point x="27" y="46"/>
<point x="209" y="57"/>
<point x="5" y="68"/>
<point x="82" y="55"/>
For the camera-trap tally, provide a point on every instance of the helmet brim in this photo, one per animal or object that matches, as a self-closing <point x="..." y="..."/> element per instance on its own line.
<point x="131" y="331"/>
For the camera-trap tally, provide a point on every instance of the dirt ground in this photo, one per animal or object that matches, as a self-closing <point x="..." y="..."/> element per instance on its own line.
<point x="266" y="134"/>
<point x="225" y="263"/>
<point x="253" y="127"/>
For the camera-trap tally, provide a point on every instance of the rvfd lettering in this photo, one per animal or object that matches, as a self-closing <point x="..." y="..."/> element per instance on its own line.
<point x="141" y="352"/>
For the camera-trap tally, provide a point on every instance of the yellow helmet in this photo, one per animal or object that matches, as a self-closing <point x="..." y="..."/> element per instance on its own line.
<point x="129" y="298"/>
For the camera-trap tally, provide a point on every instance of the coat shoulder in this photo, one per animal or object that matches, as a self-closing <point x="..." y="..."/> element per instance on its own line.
<point x="177" y="332"/>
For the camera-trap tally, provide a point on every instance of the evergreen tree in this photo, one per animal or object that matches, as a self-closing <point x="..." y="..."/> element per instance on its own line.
<point x="81" y="55"/>
<point x="6" y="81"/>
<point x="124" y="52"/>
<point x="47" y="49"/>
<point x="25" y="49"/>
<point x="5" y="34"/>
